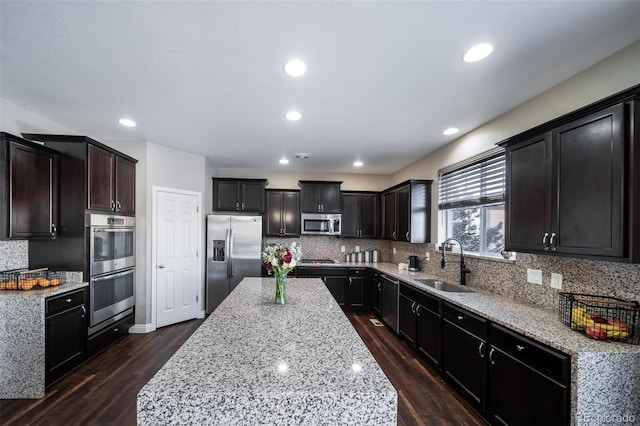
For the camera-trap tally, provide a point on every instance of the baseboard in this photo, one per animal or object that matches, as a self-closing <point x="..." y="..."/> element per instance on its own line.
<point x="141" y="328"/>
<point x="201" y="315"/>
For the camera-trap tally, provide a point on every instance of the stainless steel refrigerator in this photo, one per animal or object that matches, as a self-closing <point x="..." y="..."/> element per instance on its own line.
<point x="234" y="251"/>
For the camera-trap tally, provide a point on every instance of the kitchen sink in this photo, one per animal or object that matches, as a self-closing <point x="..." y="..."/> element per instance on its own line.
<point x="442" y="286"/>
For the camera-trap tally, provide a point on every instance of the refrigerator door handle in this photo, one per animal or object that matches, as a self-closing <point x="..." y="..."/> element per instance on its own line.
<point x="227" y="256"/>
<point x="230" y="256"/>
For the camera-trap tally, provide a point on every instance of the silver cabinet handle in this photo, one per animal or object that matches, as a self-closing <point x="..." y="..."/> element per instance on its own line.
<point x="481" y="350"/>
<point x="115" y="330"/>
<point x="520" y="348"/>
<point x="491" y="356"/>
<point x="407" y="236"/>
<point x="418" y="310"/>
<point x="460" y="317"/>
<point x="544" y="241"/>
<point x="118" y="206"/>
<point x="380" y="286"/>
<point x="242" y="206"/>
<point x="84" y="311"/>
<point x="113" y="205"/>
<point x="54" y="230"/>
<point x="237" y="206"/>
<point x="394" y="235"/>
<point x="552" y="242"/>
<point x="350" y="281"/>
<point x="413" y="307"/>
<point x="68" y="300"/>
<point x="161" y="266"/>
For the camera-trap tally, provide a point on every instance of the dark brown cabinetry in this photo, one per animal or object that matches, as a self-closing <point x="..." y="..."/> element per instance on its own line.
<point x="375" y="286"/>
<point x="65" y="333"/>
<point x="111" y="181"/>
<point x="243" y="195"/>
<point x="528" y="382"/>
<point x="406" y="212"/>
<point x="28" y="189"/>
<point x="360" y="215"/>
<point x="572" y="184"/>
<point x="347" y="285"/>
<point x="105" y="338"/>
<point x="464" y="350"/>
<point x="358" y="290"/>
<point x="419" y="322"/>
<point x="320" y="196"/>
<point x="283" y="213"/>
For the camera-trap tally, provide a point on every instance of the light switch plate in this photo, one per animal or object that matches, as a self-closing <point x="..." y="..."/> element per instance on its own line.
<point x="426" y="255"/>
<point x="394" y="250"/>
<point x="556" y="281"/>
<point x="534" y="276"/>
<point x="342" y="249"/>
<point x="357" y="248"/>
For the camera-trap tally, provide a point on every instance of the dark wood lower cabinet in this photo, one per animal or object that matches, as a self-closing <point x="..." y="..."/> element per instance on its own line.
<point x="65" y="334"/>
<point x="375" y="286"/>
<point x="336" y="287"/>
<point x="105" y="338"/>
<point x="428" y="335"/>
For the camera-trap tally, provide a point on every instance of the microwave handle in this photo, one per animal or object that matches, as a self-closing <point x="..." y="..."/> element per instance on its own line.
<point x="112" y="229"/>
<point x="108" y="277"/>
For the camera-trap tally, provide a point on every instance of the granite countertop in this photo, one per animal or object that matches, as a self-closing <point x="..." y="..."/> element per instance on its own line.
<point x="44" y="292"/>
<point x="254" y="362"/>
<point x="540" y="324"/>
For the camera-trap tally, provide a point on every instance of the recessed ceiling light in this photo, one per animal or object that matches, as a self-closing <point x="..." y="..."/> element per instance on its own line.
<point x="293" y="115"/>
<point x="451" y="131"/>
<point x="284" y="161"/>
<point x="127" y="122"/>
<point x="295" y="68"/>
<point x="358" y="163"/>
<point x="478" y="52"/>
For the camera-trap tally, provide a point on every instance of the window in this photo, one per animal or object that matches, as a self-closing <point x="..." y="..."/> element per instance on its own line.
<point x="471" y="202"/>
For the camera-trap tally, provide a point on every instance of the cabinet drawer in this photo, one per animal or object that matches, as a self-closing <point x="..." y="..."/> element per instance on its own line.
<point x="465" y="319"/>
<point x="546" y="360"/>
<point x="64" y="301"/>
<point x="427" y="301"/>
<point x="315" y="272"/>
<point x="105" y="338"/>
<point x="357" y="272"/>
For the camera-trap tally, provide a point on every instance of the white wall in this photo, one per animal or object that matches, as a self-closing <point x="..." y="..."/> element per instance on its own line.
<point x="15" y="119"/>
<point x="614" y="74"/>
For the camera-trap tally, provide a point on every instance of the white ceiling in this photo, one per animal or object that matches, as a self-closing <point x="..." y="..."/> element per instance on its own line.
<point x="384" y="78"/>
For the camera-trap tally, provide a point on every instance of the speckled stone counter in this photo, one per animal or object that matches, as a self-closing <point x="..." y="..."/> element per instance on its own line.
<point x="22" y="340"/>
<point x="605" y="376"/>
<point x="254" y="362"/>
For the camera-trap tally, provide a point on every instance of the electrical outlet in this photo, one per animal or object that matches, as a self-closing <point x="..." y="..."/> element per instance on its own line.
<point x="357" y="249"/>
<point x="342" y="249"/>
<point x="394" y="250"/>
<point x="534" y="276"/>
<point x="556" y="281"/>
<point x="426" y="255"/>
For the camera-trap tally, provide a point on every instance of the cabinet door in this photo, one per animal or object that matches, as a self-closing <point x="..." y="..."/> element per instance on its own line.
<point x="528" y="195"/>
<point x="291" y="213"/>
<point x="389" y="215"/>
<point x="336" y="286"/>
<point x="357" y="296"/>
<point x="33" y="202"/>
<point x="350" y="226"/>
<point x="520" y="395"/>
<point x="589" y="175"/>
<point x="428" y="334"/>
<point x="369" y="216"/>
<point x="226" y="195"/>
<point x="101" y="168"/>
<point x="66" y="340"/>
<point x="403" y="216"/>
<point x="376" y="294"/>
<point x="407" y="319"/>
<point x="273" y="222"/>
<point x="252" y="197"/>
<point x="125" y="186"/>
<point x="463" y="363"/>
<point x="311" y="198"/>
<point x="330" y="198"/>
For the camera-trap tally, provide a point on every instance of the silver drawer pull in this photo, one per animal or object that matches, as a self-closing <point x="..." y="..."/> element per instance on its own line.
<point x="480" y="350"/>
<point x="84" y="311"/>
<point x="491" y="356"/>
<point x="115" y="330"/>
<point x="520" y="348"/>
<point x="460" y="317"/>
<point x="68" y="300"/>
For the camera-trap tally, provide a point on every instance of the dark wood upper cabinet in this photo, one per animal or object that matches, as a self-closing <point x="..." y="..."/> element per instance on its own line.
<point x="406" y="212"/>
<point x="125" y="183"/>
<point x="320" y="196"/>
<point x="242" y="195"/>
<point x="283" y="213"/>
<point x="360" y="215"/>
<point x="28" y="189"/>
<point x="572" y="188"/>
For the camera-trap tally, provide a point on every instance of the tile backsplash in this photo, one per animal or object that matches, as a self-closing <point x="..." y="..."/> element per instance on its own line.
<point x="505" y="277"/>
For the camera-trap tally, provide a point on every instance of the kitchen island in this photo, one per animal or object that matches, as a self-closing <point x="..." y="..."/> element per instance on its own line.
<point x="254" y="362"/>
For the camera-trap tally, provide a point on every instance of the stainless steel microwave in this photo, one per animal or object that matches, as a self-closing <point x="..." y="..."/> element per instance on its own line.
<point x="321" y="224"/>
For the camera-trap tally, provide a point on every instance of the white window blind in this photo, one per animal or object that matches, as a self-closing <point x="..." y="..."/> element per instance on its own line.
<point x="481" y="181"/>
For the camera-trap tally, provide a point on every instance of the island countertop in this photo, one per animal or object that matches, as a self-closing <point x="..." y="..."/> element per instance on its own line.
<point x="255" y="362"/>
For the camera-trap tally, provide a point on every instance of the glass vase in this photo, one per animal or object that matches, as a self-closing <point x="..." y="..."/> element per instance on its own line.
<point x="281" y="287"/>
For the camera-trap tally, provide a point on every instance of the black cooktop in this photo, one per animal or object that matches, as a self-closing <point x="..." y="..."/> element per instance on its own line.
<point x="317" y="261"/>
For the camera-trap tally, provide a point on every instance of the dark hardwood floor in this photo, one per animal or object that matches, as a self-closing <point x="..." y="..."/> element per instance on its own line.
<point x="103" y="391"/>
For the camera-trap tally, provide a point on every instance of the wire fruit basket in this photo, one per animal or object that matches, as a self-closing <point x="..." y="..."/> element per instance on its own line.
<point x="601" y="317"/>
<point x="34" y="279"/>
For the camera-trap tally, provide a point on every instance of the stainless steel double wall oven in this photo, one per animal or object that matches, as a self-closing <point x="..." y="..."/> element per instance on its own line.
<point x="111" y="251"/>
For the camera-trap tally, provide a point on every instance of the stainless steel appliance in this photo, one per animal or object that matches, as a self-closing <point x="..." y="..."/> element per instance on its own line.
<point x="111" y="268"/>
<point x="234" y="251"/>
<point x="321" y="224"/>
<point x="389" y="301"/>
<point x="111" y="243"/>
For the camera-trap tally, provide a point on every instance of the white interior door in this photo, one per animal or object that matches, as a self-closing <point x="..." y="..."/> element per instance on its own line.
<point x="177" y="271"/>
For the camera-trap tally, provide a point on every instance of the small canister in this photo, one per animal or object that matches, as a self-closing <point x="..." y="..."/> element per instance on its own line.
<point x="359" y="256"/>
<point x="367" y="256"/>
<point x="351" y="257"/>
<point x="375" y="256"/>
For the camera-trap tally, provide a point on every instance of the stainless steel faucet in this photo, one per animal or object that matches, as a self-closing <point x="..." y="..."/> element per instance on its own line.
<point x="463" y="268"/>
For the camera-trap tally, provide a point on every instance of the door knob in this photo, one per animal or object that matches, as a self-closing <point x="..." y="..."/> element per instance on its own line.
<point x="161" y="266"/>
